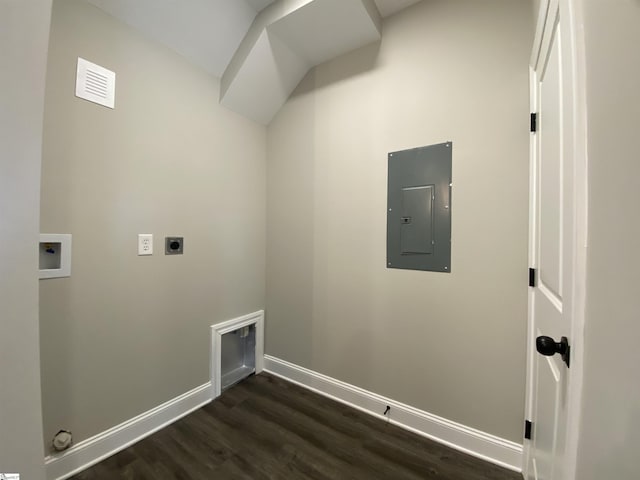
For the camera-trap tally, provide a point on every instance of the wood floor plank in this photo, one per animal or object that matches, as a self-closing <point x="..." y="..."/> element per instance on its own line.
<point x="265" y="428"/>
<point x="319" y="436"/>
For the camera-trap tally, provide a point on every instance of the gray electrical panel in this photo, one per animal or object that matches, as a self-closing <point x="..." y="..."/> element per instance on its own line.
<point x="419" y="208"/>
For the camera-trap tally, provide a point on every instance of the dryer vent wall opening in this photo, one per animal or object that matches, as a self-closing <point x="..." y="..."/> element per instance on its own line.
<point x="238" y="355"/>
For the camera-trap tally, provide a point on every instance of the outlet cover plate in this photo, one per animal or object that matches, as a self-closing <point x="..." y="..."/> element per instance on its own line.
<point x="145" y="244"/>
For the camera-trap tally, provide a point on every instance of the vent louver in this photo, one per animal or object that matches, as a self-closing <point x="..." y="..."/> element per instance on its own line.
<point x="95" y="83"/>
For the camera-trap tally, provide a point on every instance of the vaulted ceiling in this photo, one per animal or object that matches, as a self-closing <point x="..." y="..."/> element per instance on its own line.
<point x="207" y="32"/>
<point x="226" y="39"/>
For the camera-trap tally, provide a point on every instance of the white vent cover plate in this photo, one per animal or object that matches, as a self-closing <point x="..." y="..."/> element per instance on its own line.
<point x="95" y="83"/>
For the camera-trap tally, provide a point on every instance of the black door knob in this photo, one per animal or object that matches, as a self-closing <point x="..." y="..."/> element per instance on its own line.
<point x="547" y="346"/>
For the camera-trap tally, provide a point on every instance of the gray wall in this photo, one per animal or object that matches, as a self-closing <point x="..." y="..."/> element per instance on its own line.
<point x="24" y="31"/>
<point x="536" y="8"/>
<point x="610" y="432"/>
<point x="127" y="333"/>
<point x="451" y="344"/>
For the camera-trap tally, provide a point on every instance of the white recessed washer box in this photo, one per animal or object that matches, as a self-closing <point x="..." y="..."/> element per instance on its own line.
<point x="54" y="253"/>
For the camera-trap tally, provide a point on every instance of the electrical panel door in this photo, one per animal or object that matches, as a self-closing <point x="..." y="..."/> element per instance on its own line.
<point x="419" y="208"/>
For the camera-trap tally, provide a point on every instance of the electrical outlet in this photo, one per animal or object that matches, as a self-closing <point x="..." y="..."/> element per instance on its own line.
<point x="145" y="244"/>
<point x="174" y="246"/>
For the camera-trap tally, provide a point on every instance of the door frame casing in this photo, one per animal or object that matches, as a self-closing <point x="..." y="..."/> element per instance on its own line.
<point x="571" y="25"/>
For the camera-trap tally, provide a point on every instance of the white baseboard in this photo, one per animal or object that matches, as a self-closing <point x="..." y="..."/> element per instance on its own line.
<point x="91" y="451"/>
<point x="465" y="439"/>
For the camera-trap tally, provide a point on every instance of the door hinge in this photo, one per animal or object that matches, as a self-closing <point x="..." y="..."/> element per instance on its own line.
<point x="534" y="122"/>
<point x="528" y="429"/>
<point x="532" y="277"/>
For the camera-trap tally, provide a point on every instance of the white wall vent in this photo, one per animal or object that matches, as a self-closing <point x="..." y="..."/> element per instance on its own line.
<point x="95" y="83"/>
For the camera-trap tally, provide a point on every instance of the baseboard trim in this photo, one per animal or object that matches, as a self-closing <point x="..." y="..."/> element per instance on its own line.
<point x="95" y="449"/>
<point x="483" y="445"/>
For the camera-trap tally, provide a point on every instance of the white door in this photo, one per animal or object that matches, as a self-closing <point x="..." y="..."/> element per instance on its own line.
<point x="552" y="246"/>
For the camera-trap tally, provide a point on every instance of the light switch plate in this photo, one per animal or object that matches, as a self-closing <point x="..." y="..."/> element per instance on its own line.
<point x="145" y="244"/>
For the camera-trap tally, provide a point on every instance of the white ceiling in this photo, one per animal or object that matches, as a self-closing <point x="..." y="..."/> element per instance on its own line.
<point x="386" y="7"/>
<point x="259" y="4"/>
<point x="283" y="44"/>
<point x="389" y="7"/>
<point x="207" y="32"/>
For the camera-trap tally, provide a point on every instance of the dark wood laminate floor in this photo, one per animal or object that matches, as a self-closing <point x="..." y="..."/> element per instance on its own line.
<point x="266" y="428"/>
